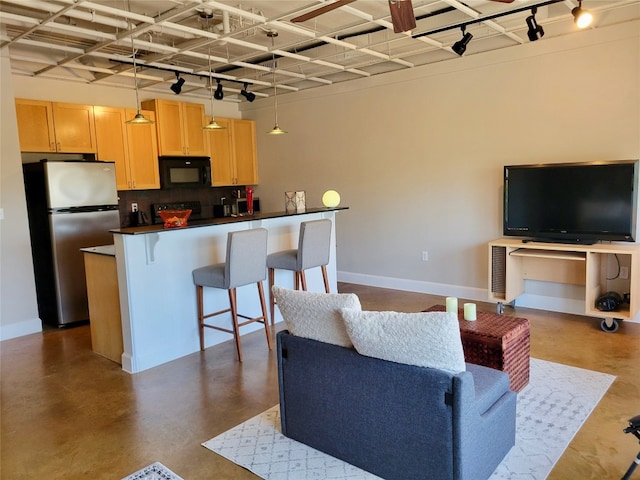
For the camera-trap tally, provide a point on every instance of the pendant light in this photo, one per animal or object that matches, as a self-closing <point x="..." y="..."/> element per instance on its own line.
<point x="212" y="125"/>
<point x="276" y="130"/>
<point x="139" y="118"/>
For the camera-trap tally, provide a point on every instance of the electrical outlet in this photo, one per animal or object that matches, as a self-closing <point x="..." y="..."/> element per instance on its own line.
<point x="425" y="256"/>
<point x="624" y="273"/>
<point x="134" y="207"/>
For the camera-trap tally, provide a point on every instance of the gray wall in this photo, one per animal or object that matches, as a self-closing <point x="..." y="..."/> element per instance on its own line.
<point x="18" y="308"/>
<point x="417" y="155"/>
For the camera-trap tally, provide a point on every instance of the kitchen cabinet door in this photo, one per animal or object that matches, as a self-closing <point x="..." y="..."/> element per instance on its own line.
<point x="219" y="149"/>
<point x="143" y="153"/>
<point x="192" y="123"/>
<point x="112" y="142"/>
<point x="55" y="127"/>
<point x="35" y="125"/>
<point x="179" y="127"/>
<point x="133" y="147"/>
<point x="74" y="127"/>
<point x="244" y="148"/>
<point x="168" y="126"/>
<point x="233" y="153"/>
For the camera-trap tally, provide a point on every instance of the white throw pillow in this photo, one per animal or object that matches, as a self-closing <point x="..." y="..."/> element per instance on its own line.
<point x="426" y="339"/>
<point x="316" y="315"/>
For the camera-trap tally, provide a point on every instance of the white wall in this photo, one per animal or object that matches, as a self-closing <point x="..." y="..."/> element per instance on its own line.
<point x="18" y="307"/>
<point x="417" y="155"/>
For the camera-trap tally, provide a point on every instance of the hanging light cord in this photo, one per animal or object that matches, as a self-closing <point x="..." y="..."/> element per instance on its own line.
<point x="135" y="76"/>
<point x="275" y="86"/>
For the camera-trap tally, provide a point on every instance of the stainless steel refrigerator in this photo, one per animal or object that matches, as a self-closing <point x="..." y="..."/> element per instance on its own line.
<point x="71" y="205"/>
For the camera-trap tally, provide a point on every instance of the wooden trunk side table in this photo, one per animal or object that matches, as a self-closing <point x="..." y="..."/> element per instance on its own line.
<point x="496" y="341"/>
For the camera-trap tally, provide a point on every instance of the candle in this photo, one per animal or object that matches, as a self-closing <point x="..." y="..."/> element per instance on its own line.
<point x="469" y="311"/>
<point x="452" y="304"/>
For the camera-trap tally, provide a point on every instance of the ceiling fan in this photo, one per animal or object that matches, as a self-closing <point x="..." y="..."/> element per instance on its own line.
<point x="402" y="15"/>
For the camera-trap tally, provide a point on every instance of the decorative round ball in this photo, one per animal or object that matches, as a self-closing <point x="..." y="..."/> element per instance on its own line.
<point x="331" y="199"/>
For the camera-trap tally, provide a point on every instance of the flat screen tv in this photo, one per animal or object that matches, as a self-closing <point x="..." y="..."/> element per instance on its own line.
<point x="572" y="202"/>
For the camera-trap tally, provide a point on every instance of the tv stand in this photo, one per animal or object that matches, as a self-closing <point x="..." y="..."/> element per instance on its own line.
<point x="511" y="263"/>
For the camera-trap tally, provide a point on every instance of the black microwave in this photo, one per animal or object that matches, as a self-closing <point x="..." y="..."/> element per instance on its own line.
<point x="185" y="172"/>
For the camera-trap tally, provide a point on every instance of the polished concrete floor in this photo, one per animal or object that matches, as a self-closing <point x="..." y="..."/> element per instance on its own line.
<point x="68" y="413"/>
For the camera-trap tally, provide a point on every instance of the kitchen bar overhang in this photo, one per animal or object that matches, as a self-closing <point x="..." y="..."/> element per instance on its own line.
<point x="157" y="296"/>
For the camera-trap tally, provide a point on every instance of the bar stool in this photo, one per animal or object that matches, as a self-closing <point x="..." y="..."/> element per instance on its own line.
<point x="245" y="264"/>
<point x="314" y="244"/>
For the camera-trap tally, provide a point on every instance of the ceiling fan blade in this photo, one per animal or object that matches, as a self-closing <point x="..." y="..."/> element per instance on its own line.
<point x="321" y="10"/>
<point x="402" y="15"/>
<point x="503" y="1"/>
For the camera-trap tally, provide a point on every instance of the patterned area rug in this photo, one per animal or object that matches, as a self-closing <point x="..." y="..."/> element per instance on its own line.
<point x="155" y="471"/>
<point x="550" y="411"/>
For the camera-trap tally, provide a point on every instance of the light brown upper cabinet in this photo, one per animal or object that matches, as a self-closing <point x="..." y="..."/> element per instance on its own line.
<point x="179" y="126"/>
<point x="233" y="153"/>
<point x="133" y="147"/>
<point x="55" y="127"/>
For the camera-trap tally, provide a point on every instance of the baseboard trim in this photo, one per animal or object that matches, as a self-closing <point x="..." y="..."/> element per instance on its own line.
<point x="20" y="329"/>
<point x="432" y="288"/>
<point x="538" y="302"/>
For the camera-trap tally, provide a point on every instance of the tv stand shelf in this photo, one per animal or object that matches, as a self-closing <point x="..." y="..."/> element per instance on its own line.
<point x="512" y="261"/>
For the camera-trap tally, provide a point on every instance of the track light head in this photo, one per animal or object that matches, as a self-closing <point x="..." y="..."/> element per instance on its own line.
<point x="177" y="87"/>
<point x="461" y="45"/>
<point x="581" y="17"/>
<point x="250" y="96"/>
<point x="534" y="31"/>
<point x="218" y="94"/>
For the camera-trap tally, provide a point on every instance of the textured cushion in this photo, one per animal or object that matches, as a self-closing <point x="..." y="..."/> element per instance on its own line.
<point x="425" y="339"/>
<point x="315" y="315"/>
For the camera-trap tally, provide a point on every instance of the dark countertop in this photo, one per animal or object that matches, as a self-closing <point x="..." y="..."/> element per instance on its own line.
<point x="219" y="221"/>
<point x="108" y="250"/>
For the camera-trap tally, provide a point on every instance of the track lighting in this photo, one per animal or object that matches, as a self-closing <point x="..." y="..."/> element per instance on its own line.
<point x="177" y="87"/>
<point x="582" y="17"/>
<point x="535" y="31"/>
<point x="218" y="94"/>
<point x="461" y="45"/>
<point x="250" y="96"/>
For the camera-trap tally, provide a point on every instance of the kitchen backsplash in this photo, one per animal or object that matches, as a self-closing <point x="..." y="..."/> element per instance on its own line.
<point x="207" y="196"/>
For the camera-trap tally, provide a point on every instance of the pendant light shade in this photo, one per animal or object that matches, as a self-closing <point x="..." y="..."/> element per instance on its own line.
<point x="276" y="130"/>
<point x="140" y="119"/>
<point x="213" y="125"/>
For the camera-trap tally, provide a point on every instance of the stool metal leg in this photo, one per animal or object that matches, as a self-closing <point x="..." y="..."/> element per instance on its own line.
<point x="325" y="277"/>
<point x="272" y="301"/>
<point x="234" y="316"/>
<point x="265" y="319"/>
<point x="200" y="315"/>
<point x="303" y="280"/>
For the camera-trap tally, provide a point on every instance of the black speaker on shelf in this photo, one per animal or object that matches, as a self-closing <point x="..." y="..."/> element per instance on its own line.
<point x="609" y="302"/>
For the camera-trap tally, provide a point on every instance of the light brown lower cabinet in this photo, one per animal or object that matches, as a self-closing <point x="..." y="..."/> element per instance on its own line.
<point x="104" y="304"/>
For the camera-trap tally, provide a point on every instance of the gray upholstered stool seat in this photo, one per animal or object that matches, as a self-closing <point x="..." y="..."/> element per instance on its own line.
<point x="245" y="264"/>
<point x="314" y="244"/>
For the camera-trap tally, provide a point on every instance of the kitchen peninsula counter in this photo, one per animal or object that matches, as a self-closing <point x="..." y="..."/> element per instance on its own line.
<point x="220" y="221"/>
<point x="158" y="303"/>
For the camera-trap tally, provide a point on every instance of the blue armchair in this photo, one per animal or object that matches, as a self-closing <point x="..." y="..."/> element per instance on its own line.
<point x="396" y="421"/>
